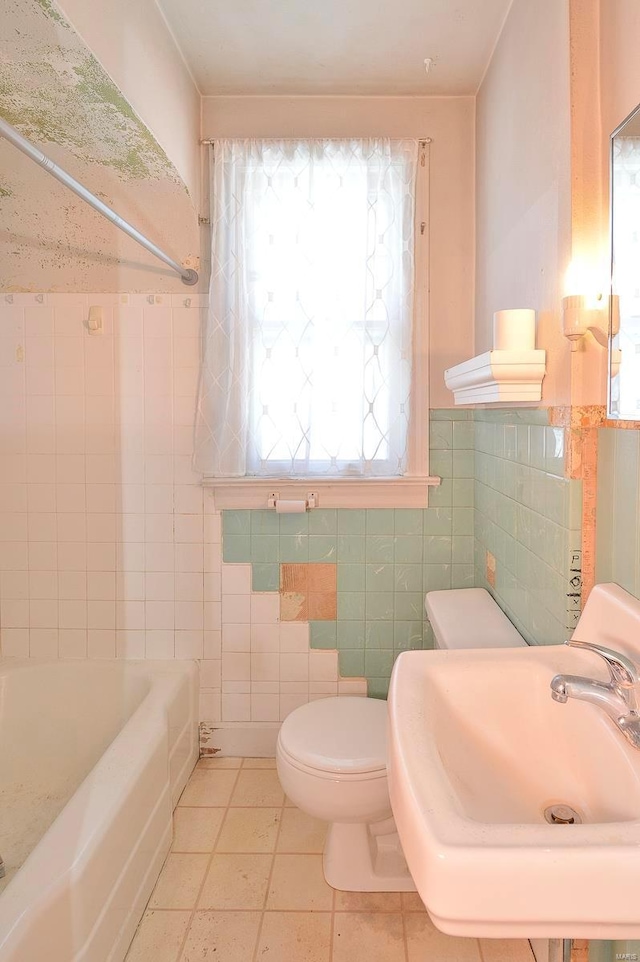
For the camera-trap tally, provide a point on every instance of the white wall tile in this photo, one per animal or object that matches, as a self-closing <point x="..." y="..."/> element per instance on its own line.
<point x="159" y="643"/>
<point x="265" y="608"/>
<point x="189" y="587"/>
<point x="101" y="643"/>
<point x="265" y="638"/>
<point x="159" y="614"/>
<point x="289" y="703"/>
<point x="210" y="706"/>
<point x="189" y="615"/>
<point x="236" y="666"/>
<point x="212" y="644"/>
<point x="108" y="543"/>
<point x="14" y="613"/>
<point x="236" y="609"/>
<point x="43" y="584"/>
<point x="265" y="666"/>
<point x="43" y="614"/>
<point x="14" y="584"/>
<point x="130" y="643"/>
<point x="265" y="707"/>
<point x="236" y="707"/>
<point x="236" y="579"/>
<point x="210" y="673"/>
<point x="189" y="644"/>
<point x="15" y="642"/>
<point x="294" y="636"/>
<point x="159" y="585"/>
<point x="294" y="667"/>
<point x="43" y="643"/>
<point x="323" y="666"/>
<point x="72" y="643"/>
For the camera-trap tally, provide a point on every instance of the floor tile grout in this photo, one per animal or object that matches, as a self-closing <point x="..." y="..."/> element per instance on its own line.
<point x="342" y="910"/>
<point x="210" y="860"/>
<point x="271" y="868"/>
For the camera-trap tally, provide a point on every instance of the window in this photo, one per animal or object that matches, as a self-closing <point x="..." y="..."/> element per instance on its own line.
<point x="314" y="332"/>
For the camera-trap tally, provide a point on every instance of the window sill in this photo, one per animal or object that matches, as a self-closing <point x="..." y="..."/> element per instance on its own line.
<point x="329" y="493"/>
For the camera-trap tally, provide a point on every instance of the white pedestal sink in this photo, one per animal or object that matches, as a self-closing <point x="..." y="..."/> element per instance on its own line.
<point x="479" y="750"/>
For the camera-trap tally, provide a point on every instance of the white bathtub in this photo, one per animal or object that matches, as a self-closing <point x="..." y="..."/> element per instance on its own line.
<point x="93" y="758"/>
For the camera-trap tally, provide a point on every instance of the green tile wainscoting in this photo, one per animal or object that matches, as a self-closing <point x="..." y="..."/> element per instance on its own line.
<point x="618" y="508"/>
<point x="503" y="490"/>
<point x="386" y="559"/>
<point x="528" y="515"/>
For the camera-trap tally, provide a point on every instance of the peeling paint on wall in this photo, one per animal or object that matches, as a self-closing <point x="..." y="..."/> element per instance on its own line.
<point x="56" y="93"/>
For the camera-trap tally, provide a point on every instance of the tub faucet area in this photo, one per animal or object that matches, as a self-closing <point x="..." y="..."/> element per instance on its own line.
<point x="617" y="698"/>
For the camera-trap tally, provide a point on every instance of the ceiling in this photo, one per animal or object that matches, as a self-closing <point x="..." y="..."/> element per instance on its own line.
<point x="288" y="47"/>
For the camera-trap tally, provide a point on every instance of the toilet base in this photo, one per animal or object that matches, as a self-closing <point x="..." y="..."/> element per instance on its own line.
<point x="366" y="858"/>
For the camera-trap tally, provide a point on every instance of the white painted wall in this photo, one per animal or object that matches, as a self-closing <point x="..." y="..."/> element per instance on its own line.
<point x="133" y="43"/>
<point x="449" y="121"/>
<point x="523" y="181"/>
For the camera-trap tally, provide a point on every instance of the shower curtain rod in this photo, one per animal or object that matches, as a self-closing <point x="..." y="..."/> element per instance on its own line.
<point x="14" y="137"/>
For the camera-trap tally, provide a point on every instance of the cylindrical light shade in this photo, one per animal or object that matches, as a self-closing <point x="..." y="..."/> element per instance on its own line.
<point x="514" y="330"/>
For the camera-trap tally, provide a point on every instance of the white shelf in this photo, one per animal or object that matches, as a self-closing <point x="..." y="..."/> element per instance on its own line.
<point x="506" y="376"/>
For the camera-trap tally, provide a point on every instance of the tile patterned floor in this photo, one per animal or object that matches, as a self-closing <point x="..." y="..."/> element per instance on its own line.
<point x="244" y="883"/>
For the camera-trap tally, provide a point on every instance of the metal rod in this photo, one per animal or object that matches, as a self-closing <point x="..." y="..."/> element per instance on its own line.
<point x="189" y="277"/>
<point x="423" y="142"/>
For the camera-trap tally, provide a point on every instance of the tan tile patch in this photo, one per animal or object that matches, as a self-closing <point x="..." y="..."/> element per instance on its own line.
<point x="257" y="788"/>
<point x="249" y="830"/>
<point x="373" y="936"/>
<point x="293" y="606"/>
<point x="209" y="788"/>
<point x="308" y="592"/>
<point x="300" y="832"/>
<point x="323" y="578"/>
<point x="179" y="882"/>
<point x="196" y="829"/>
<point x="294" y="578"/>
<point x="297" y="882"/>
<point x="295" y="937"/>
<point x="222" y="936"/>
<point x="424" y="941"/>
<point x="322" y="606"/>
<point x="159" y="937"/>
<point x="236" y="882"/>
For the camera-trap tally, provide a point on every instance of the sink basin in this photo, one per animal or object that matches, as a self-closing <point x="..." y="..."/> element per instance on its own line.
<point x="478" y="751"/>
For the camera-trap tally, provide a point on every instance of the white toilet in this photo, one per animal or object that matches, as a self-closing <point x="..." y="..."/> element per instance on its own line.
<point x="332" y="755"/>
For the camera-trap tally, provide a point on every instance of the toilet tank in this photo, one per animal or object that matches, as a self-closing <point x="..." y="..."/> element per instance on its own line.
<point x="469" y="618"/>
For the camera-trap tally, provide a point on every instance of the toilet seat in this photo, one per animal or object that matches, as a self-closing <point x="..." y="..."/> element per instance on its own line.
<point x="329" y="773"/>
<point x="337" y="737"/>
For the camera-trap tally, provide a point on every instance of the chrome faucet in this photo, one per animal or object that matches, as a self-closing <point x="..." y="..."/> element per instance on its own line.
<point x="618" y="698"/>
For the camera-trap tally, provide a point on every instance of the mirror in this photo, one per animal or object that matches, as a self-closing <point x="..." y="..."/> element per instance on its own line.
<point x="624" y="320"/>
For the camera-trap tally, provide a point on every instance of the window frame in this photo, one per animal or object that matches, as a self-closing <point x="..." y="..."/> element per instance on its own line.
<point x="408" y="490"/>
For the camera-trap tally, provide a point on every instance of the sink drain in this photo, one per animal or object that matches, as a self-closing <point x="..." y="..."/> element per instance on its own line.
<point x="562" y="815"/>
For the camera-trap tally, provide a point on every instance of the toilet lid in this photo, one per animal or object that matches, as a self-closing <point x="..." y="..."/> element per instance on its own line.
<point x="338" y="734"/>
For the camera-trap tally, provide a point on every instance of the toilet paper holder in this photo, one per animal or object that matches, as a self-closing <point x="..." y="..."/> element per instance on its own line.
<point x="291" y="506"/>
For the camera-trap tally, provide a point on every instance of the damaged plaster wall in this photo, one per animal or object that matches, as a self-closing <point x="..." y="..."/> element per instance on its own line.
<point x="54" y="91"/>
<point x="137" y="49"/>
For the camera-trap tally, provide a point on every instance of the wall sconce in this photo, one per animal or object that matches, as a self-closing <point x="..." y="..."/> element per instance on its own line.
<point x="582" y="314"/>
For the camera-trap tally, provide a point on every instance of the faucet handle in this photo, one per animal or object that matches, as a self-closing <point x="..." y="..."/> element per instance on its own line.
<point x="623" y="671"/>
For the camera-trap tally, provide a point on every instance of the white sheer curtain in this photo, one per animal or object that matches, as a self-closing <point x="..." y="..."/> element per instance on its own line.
<point x="307" y="356"/>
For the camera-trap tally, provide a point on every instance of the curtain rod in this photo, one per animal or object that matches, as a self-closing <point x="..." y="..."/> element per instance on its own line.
<point x="422" y="142"/>
<point x="189" y="277"/>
